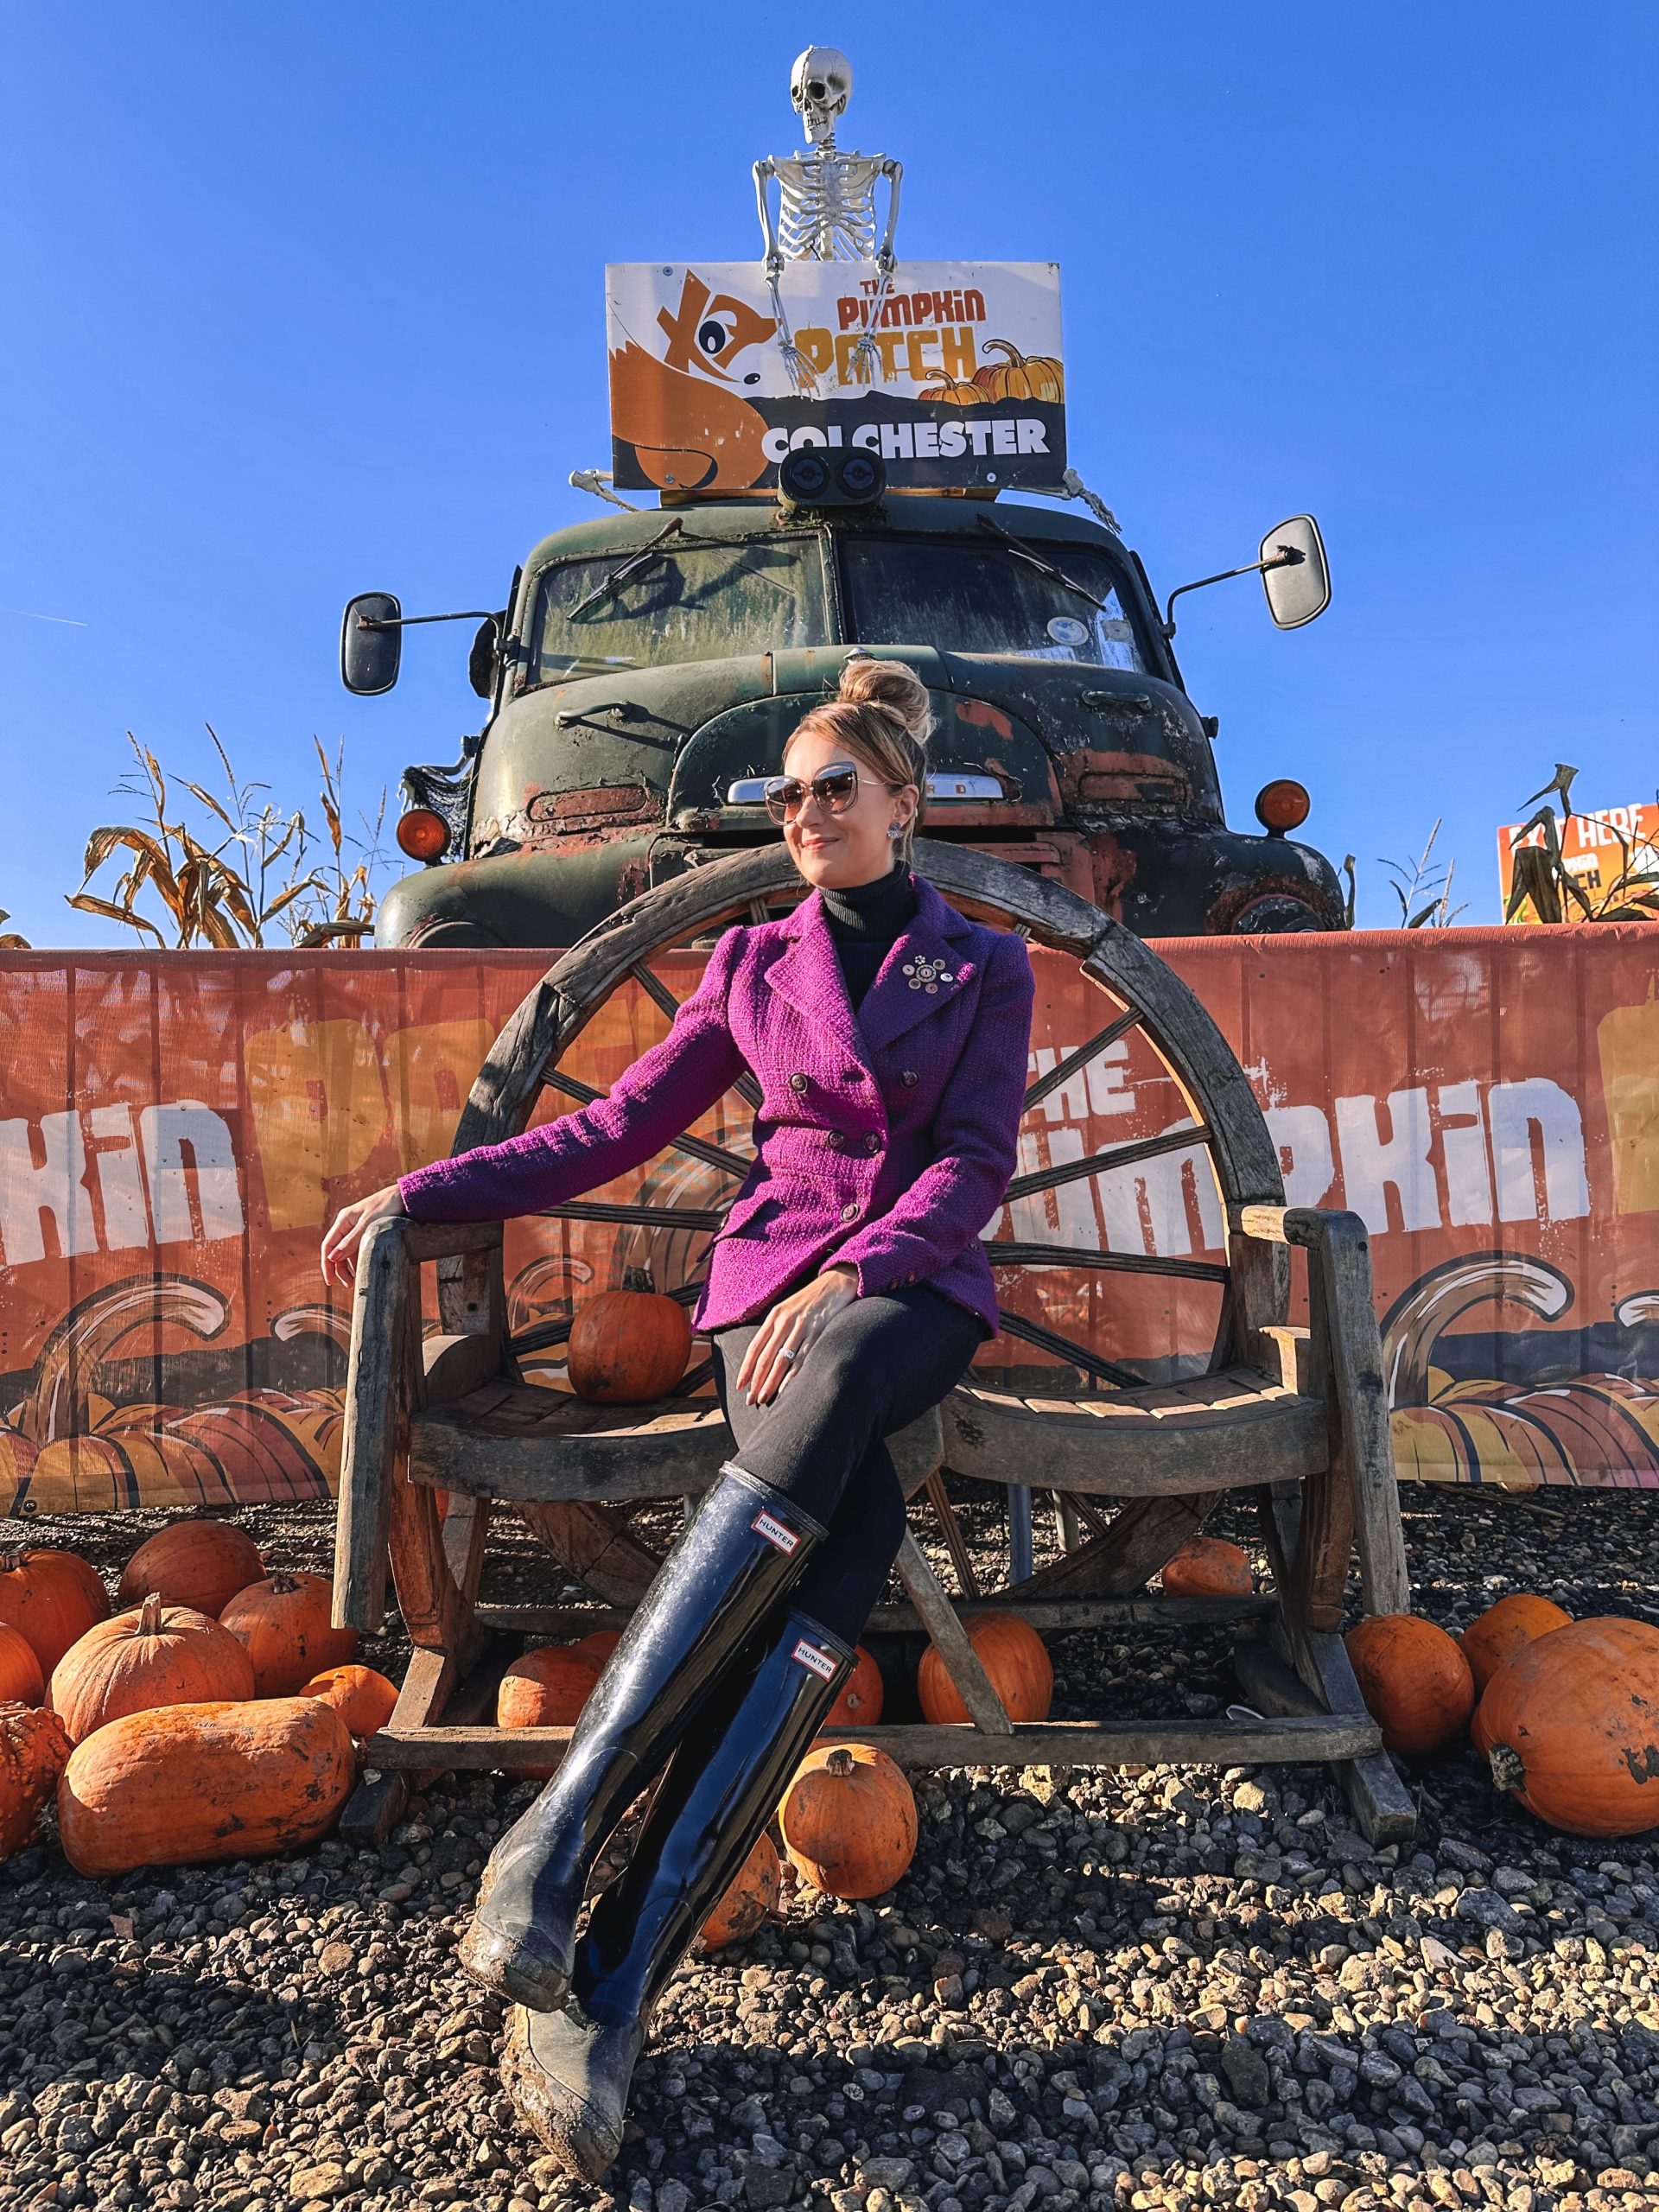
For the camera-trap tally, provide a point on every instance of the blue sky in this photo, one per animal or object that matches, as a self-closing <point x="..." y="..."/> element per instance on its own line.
<point x="308" y="299"/>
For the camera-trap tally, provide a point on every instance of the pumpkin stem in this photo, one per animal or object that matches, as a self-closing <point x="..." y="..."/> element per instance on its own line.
<point x="149" y="1615"/>
<point x="13" y="1558"/>
<point x="1016" y="359"/>
<point x="1507" y="1770"/>
<point x="840" y="1763"/>
<point x="637" y="1279"/>
<point x="283" y="1582"/>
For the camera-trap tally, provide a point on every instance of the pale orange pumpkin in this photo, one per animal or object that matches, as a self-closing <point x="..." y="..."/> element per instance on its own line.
<point x="201" y="1564"/>
<point x="1013" y="1655"/>
<point x="752" y="1898"/>
<point x="547" y="1688"/>
<point x="155" y="1655"/>
<point x="34" y="1751"/>
<point x="627" y="1347"/>
<point x="848" y="1821"/>
<point x="1569" y="1725"/>
<point x="858" y="1704"/>
<point x="363" y="1698"/>
<point x="51" y="1599"/>
<point x="189" y="1783"/>
<point x="22" y="1682"/>
<point x="1502" y="1629"/>
<point x="1020" y="375"/>
<point x="1208" y="1567"/>
<point x="285" y="1623"/>
<point x="1416" y="1682"/>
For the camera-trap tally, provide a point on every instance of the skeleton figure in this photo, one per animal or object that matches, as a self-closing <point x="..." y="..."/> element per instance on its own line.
<point x="826" y="204"/>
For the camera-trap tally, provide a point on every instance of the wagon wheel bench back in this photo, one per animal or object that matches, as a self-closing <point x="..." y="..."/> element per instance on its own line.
<point x="1297" y="1416"/>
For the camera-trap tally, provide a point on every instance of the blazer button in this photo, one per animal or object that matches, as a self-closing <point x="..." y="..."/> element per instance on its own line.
<point x="872" y="1143"/>
<point x="836" y="1141"/>
<point x="909" y="1077"/>
<point x="798" y="1083"/>
<point x="849" y="1212"/>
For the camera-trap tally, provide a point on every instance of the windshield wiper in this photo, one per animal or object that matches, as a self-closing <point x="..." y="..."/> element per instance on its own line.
<point x="624" y="571"/>
<point x="1022" y="552"/>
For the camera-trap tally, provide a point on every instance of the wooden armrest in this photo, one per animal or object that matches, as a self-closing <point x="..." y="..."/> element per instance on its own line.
<point x="444" y="1240"/>
<point x="1312" y="1227"/>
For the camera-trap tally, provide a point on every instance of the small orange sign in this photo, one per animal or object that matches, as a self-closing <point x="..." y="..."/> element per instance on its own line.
<point x="1600" y="852"/>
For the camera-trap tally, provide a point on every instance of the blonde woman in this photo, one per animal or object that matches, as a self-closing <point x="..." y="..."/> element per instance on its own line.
<point x="847" y="1293"/>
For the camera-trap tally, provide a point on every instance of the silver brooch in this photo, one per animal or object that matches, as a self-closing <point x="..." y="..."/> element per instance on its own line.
<point x="926" y="975"/>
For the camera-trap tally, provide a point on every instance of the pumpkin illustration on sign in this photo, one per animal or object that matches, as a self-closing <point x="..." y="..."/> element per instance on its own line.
<point x="1018" y="376"/>
<point x="954" y="392"/>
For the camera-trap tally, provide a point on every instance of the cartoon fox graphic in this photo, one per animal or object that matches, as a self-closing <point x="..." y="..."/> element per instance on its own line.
<point x="691" y="429"/>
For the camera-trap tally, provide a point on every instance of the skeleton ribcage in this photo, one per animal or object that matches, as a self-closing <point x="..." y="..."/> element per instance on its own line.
<point x="827" y="208"/>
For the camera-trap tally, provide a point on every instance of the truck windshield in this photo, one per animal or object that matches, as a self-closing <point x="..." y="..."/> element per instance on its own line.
<point x="688" y="602"/>
<point x="983" y="599"/>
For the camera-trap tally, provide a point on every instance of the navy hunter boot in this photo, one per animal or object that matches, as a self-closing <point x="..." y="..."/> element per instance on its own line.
<point x="568" y="2072"/>
<point x="739" y="1555"/>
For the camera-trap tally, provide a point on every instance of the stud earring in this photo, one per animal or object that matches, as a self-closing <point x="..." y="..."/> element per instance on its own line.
<point x="893" y="830"/>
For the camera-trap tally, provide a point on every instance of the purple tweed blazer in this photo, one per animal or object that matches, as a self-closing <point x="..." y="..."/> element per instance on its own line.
<point x="884" y="1140"/>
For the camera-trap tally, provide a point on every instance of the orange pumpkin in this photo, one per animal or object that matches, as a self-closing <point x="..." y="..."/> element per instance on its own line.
<point x="363" y="1698"/>
<point x="859" y="1704"/>
<point x="600" y="1642"/>
<point x="22" y="1682"/>
<point x="547" y="1688"/>
<point x="201" y="1564"/>
<point x="848" y="1821"/>
<point x="285" y="1623"/>
<point x="34" y="1751"/>
<point x="751" y="1899"/>
<point x="1207" y="1566"/>
<point x="627" y="1347"/>
<point x="1018" y="376"/>
<point x="1570" y="1724"/>
<point x="51" y="1599"/>
<point x="188" y="1782"/>
<point x="1416" y="1682"/>
<point x="954" y="392"/>
<point x="1502" y="1629"/>
<point x="155" y="1654"/>
<point x="1011" y="1654"/>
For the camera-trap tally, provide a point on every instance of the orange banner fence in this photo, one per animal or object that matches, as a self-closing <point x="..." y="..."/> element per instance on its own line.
<point x="176" y="1128"/>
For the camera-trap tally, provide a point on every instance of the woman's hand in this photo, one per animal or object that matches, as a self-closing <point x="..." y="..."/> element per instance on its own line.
<point x="339" y="1245"/>
<point x="794" y="1323"/>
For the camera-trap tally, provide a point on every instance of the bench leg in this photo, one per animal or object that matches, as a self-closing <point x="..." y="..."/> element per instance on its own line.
<point x="1379" y="1800"/>
<point x="433" y="1695"/>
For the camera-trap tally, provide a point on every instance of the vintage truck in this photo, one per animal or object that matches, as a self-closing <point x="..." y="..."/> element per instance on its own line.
<point x="651" y="665"/>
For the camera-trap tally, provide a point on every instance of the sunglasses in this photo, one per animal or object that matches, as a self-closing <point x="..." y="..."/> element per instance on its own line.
<point x="835" y="788"/>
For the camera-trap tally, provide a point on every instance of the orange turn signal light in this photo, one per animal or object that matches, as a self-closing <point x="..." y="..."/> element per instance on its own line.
<point x="1281" y="805"/>
<point x="424" y="834"/>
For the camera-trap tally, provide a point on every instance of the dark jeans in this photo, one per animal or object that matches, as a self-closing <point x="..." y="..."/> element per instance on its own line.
<point x="879" y="1365"/>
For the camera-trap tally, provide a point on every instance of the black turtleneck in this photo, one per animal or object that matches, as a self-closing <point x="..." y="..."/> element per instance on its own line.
<point x="864" y="920"/>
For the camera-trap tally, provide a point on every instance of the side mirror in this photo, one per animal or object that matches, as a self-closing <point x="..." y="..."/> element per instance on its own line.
<point x="1295" y="573"/>
<point x="485" y="652"/>
<point x="369" y="654"/>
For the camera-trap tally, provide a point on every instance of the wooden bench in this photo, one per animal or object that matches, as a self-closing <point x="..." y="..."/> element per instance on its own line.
<point x="442" y="1430"/>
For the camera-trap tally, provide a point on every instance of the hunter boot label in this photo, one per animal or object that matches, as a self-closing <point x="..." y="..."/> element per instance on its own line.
<point x="776" y="1532"/>
<point x="823" y="1663"/>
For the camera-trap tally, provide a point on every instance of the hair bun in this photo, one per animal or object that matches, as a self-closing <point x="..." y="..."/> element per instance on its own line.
<point x="891" y="685"/>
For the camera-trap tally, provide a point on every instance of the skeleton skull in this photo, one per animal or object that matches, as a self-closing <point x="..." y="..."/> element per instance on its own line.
<point x="820" y="84"/>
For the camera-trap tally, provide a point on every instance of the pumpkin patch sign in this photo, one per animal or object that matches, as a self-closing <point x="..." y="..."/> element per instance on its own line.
<point x="953" y="380"/>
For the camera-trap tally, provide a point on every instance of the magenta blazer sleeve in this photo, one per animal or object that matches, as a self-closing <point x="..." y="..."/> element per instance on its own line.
<point x="977" y="1131"/>
<point x="662" y="1092"/>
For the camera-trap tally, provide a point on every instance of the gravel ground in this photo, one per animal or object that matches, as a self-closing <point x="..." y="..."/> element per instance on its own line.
<point x="1163" y="1989"/>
